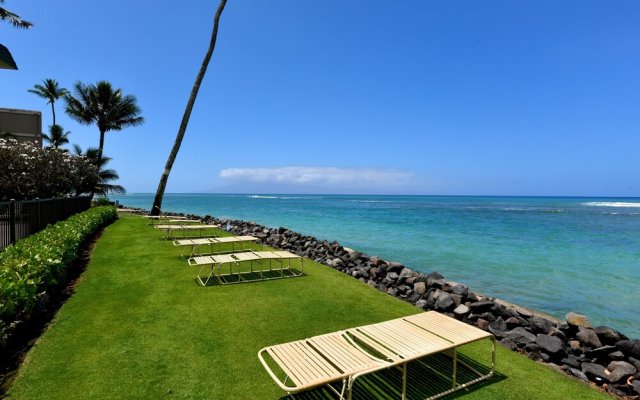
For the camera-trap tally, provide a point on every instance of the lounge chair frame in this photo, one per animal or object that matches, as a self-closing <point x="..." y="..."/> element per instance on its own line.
<point x="263" y="259"/>
<point x="395" y="343"/>
<point x="170" y="230"/>
<point x="194" y="245"/>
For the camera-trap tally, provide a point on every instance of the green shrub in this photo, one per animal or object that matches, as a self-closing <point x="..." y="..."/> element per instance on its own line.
<point x="37" y="262"/>
<point x="100" y="201"/>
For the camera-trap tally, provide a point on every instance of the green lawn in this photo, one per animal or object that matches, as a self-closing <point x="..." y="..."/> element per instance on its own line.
<point x="139" y="327"/>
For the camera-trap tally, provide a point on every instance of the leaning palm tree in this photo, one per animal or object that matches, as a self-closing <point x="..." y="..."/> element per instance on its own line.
<point x="102" y="187"/>
<point x="157" y="201"/>
<point x="57" y="136"/>
<point x="104" y="106"/>
<point x="50" y="91"/>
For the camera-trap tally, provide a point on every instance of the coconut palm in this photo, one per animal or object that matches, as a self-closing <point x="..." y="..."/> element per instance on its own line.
<point x="6" y="60"/>
<point x="57" y="136"/>
<point x="157" y="201"/>
<point x="102" y="187"/>
<point x="13" y="19"/>
<point x="100" y="104"/>
<point x="50" y="91"/>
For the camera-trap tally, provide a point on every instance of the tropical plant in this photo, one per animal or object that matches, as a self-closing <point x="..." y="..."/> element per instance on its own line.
<point x="102" y="187"/>
<point x="57" y="136"/>
<point x="6" y="60"/>
<point x="34" y="264"/>
<point x="13" y="19"/>
<point x="157" y="201"/>
<point x="50" y="91"/>
<point x="100" y="104"/>
<point x="28" y="171"/>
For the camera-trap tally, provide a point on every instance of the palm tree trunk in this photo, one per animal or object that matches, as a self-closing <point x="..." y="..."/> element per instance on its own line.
<point x="99" y="159"/>
<point x="53" y="111"/>
<point x="157" y="201"/>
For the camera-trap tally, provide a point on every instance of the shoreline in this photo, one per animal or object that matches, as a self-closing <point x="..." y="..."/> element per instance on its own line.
<point x="602" y="355"/>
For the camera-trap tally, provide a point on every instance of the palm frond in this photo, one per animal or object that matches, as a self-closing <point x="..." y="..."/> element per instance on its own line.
<point x="14" y="19"/>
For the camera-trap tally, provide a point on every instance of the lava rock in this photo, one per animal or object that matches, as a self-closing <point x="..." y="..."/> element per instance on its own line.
<point x="578" y="320"/>
<point x="635" y="362"/>
<point x="608" y="335"/>
<point x="520" y="335"/>
<point x="512" y="322"/>
<point x="498" y="325"/>
<point x="419" y="287"/>
<point x="631" y="348"/>
<point x="540" y="324"/>
<point x="588" y="337"/>
<point x="460" y="289"/>
<point x="481" y="306"/>
<point x="579" y="374"/>
<point x="550" y="344"/>
<point x="444" y="302"/>
<point x="434" y="275"/>
<point x="508" y="343"/>
<point x="616" y="356"/>
<point x="482" y="324"/>
<point x="461" y="310"/>
<point x="600" y="352"/>
<point x="572" y="361"/>
<point x="620" y="370"/>
<point x="595" y="372"/>
<point x="421" y="304"/>
<point x="395" y="267"/>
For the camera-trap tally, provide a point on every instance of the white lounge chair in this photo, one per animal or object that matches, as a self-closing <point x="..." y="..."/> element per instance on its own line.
<point x="347" y="355"/>
<point x="214" y="243"/>
<point x="263" y="259"/>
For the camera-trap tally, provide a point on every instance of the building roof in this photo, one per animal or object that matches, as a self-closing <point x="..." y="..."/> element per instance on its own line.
<point x="6" y="60"/>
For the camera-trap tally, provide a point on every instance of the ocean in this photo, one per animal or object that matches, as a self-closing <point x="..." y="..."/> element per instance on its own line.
<point x="551" y="254"/>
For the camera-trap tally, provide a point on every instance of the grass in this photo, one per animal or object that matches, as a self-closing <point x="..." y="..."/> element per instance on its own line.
<point x="138" y="327"/>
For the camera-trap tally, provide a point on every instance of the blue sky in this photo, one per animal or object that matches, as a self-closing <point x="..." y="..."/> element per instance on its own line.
<point x="417" y="97"/>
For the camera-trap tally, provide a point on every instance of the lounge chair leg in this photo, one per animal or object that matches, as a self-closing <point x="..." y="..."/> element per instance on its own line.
<point x="404" y="381"/>
<point x="455" y="367"/>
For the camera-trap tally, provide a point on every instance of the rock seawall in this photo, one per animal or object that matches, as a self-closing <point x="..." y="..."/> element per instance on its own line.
<point x="600" y="355"/>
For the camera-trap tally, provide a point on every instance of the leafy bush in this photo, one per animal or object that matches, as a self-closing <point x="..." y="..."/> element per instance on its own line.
<point x="28" y="171"/>
<point x="37" y="262"/>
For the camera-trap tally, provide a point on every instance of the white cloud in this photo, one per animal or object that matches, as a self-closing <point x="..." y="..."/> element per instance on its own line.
<point x="329" y="176"/>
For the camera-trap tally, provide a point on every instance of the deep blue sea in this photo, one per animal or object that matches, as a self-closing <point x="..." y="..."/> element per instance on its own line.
<point x="551" y="254"/>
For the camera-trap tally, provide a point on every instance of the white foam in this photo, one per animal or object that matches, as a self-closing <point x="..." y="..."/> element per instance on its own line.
<point x="255" y="196"/>
<point x="612" y="204"/>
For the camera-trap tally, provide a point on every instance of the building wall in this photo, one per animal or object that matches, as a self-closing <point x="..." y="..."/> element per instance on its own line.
<point x="25" y="125"/>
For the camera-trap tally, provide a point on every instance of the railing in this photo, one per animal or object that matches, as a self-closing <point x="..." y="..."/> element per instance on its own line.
<point x="19" y="219"/>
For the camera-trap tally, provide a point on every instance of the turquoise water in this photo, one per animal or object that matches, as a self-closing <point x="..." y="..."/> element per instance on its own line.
<point x="551" y="254"/>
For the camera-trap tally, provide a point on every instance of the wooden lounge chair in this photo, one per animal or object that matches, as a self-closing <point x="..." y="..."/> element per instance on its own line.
<point x="213" y="243"/>
<point x="393" y="343"/>
<point x="263" y="259"/>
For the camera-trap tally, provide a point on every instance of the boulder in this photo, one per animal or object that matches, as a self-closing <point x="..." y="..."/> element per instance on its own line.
<point x="498" y="325"/>
<point x="512" y="322"/>
<point x="393" y="276"/>
<point x="457" y="298"/>
<point x="588" y="337"/>
<point x="600" y="352"/>
<point x="461" y="310"/>
<point x="460" y="289"/>
<point x="421" y="304"/>
<point x="395" y="267"/>
<point x="376" y="261"/>
<point x="444" y="302"/>
<point x="540" y="324"/>
<point x="631" y="348"/>
<point x="578" y="320"/>
<point x="419" y="287"/>
<point x="520" y="335"/>
<point x="392" y="291"/>
<point x="413" y="297"/>
<point x="572" y="361"/>
<point x="482" y="324"/>
<point x="595" y="372"/>
<point x="635" y="362"/>
<point x="636" y="386"/>
<point x="404" y="274"/>
<point x="481" y="306"/>
<point x="579" y="374"/>
<point x="616" y="356"/>
<point x="552" y="345"/>
<point x="508" y="343"/>
<point x="620" y="370"/>
<point x="434" y="275"/>
<point x="608" y="335"/>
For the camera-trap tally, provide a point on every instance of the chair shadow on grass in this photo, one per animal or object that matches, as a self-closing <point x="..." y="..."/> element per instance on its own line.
<point x="253" y="277"/>
<point x="425" y="378"/>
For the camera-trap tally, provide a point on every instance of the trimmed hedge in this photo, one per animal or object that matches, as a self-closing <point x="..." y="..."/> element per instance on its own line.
<point x="39" y="261"/>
